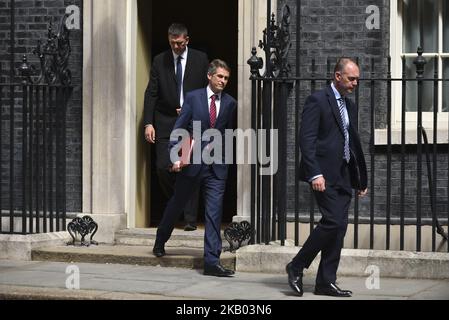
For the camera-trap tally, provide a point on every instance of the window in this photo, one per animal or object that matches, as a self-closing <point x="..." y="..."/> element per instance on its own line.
<point x="414" y="23"/>
<point x="423" y="22"/>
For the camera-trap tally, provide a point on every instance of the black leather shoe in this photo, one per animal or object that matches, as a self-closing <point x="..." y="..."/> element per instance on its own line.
<point x="295" y="279"/>
<point x="217" y="271"/>
<point x="189" y="227"/>
<point x="332" y="290"/>
<point x="159" y="250"/>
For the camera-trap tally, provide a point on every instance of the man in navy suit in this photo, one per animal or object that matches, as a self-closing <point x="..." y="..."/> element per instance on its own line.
<point x="203" y="109"/>
<point x="333" y="164"/>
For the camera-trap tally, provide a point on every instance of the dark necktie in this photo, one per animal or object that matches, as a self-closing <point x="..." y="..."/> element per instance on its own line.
<point x="179" y="75"/>
<point x="342" y="107"/>
<point x="213" y="111"/>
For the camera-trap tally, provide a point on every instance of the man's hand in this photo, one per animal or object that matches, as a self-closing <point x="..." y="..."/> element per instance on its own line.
<point x="150" y="134"/>
<point x="319" y="184"/>
<point x="177" y="166"/>
<point x="362" y="193"/>
<point x="178" y="111"/>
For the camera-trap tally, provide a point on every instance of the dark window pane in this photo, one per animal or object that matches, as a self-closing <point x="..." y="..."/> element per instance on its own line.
<point x="412" y="86"/>
<point x="417" y="12"/>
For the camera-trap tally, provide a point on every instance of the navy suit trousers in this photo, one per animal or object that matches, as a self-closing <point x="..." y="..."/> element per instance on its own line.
<point x="213" y="193"/>
<point x="328" y="236"/>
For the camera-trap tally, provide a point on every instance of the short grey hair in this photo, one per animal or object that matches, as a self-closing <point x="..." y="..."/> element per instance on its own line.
<point x="177" y="29"/>
<point x="217" y="63"/>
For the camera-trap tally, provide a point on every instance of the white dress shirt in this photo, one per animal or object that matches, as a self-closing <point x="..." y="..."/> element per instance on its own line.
<point x="184" y="64"/>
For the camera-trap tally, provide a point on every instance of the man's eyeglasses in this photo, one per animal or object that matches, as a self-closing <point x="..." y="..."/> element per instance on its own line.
<point x="178" y="43"/>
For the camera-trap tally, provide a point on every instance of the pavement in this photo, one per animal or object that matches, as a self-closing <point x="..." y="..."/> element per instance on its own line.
<point x="45" y="280"/>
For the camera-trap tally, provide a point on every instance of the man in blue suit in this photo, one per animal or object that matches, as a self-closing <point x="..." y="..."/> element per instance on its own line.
<point x="203" y="110"/>
<point x="333" y="164"/>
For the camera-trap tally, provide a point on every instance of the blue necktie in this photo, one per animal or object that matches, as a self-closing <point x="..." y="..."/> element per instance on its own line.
<point x="179" y="76"/>
<point x="342" y="107"/>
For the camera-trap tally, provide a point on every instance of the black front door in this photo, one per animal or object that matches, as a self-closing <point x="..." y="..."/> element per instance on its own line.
<point x="213" y="28"/>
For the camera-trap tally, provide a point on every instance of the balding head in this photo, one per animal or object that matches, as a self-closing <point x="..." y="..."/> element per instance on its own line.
<point x="346" y="75"/>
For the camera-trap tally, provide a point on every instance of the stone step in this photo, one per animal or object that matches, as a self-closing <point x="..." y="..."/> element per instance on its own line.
<point x="179" y="238"/>
<point x="190" y="258"/>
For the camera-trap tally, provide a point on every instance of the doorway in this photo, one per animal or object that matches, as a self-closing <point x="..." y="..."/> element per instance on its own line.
<point x="216" y="34"/>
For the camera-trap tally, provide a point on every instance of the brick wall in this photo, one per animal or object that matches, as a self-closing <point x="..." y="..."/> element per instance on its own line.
<point x="31" y="24"/>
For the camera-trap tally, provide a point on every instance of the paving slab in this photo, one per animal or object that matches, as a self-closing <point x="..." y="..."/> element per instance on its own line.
<point x="48" y="280"/>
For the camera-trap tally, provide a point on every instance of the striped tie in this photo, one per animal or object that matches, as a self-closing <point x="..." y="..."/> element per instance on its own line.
<point x="342" y="107"/>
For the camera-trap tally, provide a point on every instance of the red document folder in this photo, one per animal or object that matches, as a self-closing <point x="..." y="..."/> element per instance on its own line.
<point x="186" y="151"/>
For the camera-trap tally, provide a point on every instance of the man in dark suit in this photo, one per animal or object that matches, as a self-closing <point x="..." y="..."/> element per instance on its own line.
<point x="205" y="111"/>
<point x="174" y="73"/>
<point x="333" y="163"/>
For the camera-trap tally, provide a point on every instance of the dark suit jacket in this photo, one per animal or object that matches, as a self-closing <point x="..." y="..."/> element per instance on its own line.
<point x="161" y="97"/>
<point x="321" y="141"/>
<point x="196" y="108"/>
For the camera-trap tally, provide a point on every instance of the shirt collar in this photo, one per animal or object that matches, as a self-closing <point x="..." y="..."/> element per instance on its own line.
<point x="210" y="93"/>
<point x="336" y="93"/>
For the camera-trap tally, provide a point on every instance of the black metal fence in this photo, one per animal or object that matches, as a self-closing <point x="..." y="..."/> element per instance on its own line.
<point x="34" y="158"/>
<point x="33" y="138"/>
<point x="391" y="200"/>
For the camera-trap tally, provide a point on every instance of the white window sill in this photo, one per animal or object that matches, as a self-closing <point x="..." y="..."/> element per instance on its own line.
<point x="380" y="136"/>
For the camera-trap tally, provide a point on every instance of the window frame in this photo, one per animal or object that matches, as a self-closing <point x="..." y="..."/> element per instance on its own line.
<point x="396" y="53"/>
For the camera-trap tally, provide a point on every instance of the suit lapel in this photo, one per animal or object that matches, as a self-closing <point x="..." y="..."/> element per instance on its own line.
<point x="189" y="67"/>
<point x="205" y="108"/>
<point x="223" y="104"/>
<point x="169" y="64"/>
<point x="334" y="107"/>
<point x="352" y="111"/>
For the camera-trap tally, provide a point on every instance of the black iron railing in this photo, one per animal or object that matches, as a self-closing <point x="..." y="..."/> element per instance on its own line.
<point x="36" y="158"/>
<point x="397" y="192"/>
<point x="33" y="109"/>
